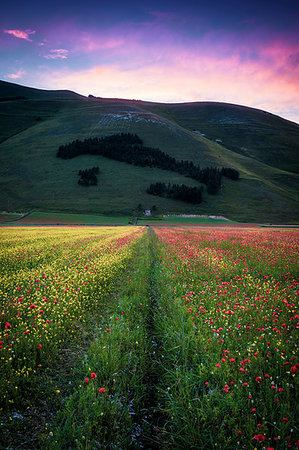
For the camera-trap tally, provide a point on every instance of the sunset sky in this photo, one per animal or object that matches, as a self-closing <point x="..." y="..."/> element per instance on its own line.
<point x="242" y="52"/>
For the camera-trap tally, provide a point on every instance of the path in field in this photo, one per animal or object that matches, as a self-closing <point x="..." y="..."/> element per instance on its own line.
<point x="153" y="438"/>
<point x="126" y="358"/>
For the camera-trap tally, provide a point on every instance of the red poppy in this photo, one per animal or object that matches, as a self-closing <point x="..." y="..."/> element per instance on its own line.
<point x="259" y="437"/>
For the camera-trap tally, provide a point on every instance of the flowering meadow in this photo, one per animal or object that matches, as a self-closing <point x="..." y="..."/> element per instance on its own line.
<point x="50" y="277"/>
<point x="193" y="340"/>
<point x="228" y="319"/>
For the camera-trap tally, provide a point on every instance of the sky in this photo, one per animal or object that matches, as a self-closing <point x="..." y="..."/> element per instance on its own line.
<point x="234" y="51"/>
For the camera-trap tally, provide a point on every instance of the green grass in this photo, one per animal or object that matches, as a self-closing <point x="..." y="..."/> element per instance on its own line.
<point x="195" y="220"/>
<point x="180" y="220"/>
<point x="36" y="106"/>
<point x="6" y="217"/>
<point x="52" y="218"/>
<point x="35" y="179"/>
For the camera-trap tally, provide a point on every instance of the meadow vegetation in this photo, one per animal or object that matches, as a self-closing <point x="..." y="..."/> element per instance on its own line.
<point x="165" y="337"/>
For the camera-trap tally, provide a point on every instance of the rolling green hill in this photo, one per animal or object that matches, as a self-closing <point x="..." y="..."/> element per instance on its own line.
<point x="33" y="123"/>
<point x="247" y="131"/>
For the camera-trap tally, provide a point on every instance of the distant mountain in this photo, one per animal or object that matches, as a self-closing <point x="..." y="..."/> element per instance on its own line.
<point x="34" y="122"/>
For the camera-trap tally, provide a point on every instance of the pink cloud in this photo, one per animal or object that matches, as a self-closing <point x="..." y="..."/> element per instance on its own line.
<point x="283" y="57"/>
<point x="21" y="34"/>
<point x="17" y="75"/>
<point x="58" y="53"/>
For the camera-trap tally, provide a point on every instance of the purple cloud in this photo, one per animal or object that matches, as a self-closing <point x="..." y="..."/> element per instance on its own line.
<point x="17" y="75"/>
<point x="58" y="53"/>
<point x="89" y="43"/>
<point x="21" y="34"/>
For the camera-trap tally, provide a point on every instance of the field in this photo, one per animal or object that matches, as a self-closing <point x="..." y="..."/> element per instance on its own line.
<point x="162" y="337"/>
<point x="7" y="217"/>
<point x="59" y="218"/>
<point x="181" y="220"/>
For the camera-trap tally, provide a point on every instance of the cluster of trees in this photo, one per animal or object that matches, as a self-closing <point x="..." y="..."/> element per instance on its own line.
<point x="88" y="177"/>
<point x="129" y="148"/>
<point x="228" y="172"/>
<point x="176" y="191"/>
<point x="117" y="146"/>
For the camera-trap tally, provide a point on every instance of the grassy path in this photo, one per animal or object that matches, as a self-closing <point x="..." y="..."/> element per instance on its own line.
<point x="115" y="404"/>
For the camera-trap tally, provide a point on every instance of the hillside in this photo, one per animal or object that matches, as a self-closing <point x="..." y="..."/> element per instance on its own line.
<point x="258" y="144"/>
<point x="247" y="131"/>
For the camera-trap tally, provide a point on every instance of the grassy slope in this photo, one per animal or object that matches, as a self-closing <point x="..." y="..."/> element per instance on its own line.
<point x="35" y="178"/>
<point x="35" y="106"/>
<point x="247" y="131"/>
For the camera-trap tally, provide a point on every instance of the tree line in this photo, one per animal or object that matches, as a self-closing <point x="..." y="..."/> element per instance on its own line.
<point x="176" y="191"/>
<point x="129" y="148"/>
<point x="16" y="97"/>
